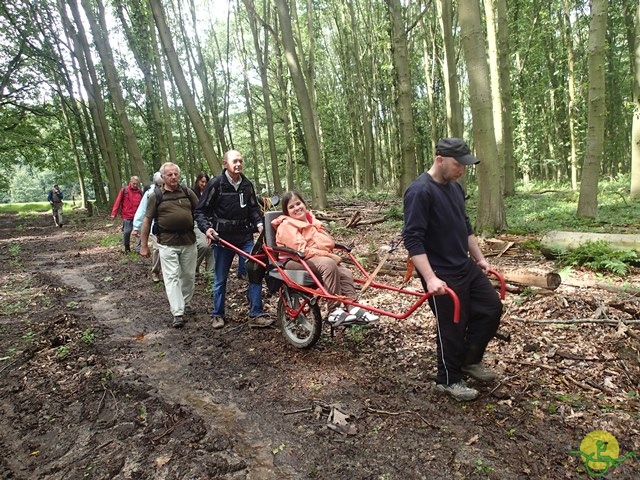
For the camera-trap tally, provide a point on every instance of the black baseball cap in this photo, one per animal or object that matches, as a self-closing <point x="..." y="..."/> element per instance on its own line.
<point x="456" y="148"/>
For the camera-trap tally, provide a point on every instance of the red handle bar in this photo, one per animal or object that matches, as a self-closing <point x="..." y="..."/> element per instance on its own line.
<point x="503" y="286"/>
<point x="456" y="304"/>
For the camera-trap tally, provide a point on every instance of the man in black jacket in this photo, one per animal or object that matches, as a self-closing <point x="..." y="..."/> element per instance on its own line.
<point x="228" y="209"/>
<point x="441" y="243"/>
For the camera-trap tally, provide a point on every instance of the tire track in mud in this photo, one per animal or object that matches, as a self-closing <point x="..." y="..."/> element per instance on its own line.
<point x="162" y="359"/>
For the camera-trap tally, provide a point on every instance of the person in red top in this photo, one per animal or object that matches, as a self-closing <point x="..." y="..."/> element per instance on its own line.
<point x="300" y="230"/>
<point x="127" y="203"/>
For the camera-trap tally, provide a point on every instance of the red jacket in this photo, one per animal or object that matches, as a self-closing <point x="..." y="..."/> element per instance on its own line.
<point x="128" y="200"/>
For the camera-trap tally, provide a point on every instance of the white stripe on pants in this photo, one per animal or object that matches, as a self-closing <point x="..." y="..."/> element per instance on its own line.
<point x="178" y="272"/>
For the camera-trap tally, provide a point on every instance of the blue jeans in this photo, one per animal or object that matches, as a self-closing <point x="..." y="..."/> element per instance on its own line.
<point x="223" y="257"/>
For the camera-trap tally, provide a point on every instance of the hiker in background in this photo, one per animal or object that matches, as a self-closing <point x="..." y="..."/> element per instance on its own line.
<point x="228" y="209"/>
<point x="156" y="270"/>
<point x="126" y="203"/>
<point x="205" y="253"/>
<point x="440" y="240"/>
<point x="55" y="197"/>
<point x="299" y="230"/>
<point x="173" y="216"/>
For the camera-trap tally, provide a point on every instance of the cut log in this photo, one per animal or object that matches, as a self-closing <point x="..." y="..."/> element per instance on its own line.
<point x="558" y="241"/>
<point x="532" y="277"/>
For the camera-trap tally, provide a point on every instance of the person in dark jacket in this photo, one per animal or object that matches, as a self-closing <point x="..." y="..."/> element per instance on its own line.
<point x="228" y="209"/>
<point x="441" y="243"/>
<point x="55" y="197"/>
<point x="205" y="254"/>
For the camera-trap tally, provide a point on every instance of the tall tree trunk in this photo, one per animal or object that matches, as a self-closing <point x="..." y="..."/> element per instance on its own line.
<point x="571" y="114"/>
<point x="253" y="127"/>
<point x="635" y="129"/>
<point x="96" y="103"/>
<point x="496" y="94"/>
<point x="407" y="166"/>
<point x="498" y="39"/>
<point x="138" y="28"/>
<point x="363" y="101"/>
<point x="491" y="215"/>
<point x="286" y="117"/>
<point x="166" y="130"/>
<point x="211" y="97"/>
<point x="74" y="147"/>
<point x="204" y="139"/>
<point x="588" y="200"/>
<point x="262" y="57"/>
<point x="507" y="102"/>
<point x="318" y="192"/>
<point x="429" y="67"/>
<point x="98" y="27"/>
<point x="455" y="123"/>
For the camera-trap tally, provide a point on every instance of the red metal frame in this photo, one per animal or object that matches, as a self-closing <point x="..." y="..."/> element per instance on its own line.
<point x="277" y="255"/>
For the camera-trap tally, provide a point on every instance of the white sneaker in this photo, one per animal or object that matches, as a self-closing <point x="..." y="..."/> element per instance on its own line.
<point x="362" y="314"/>
<point x="339" y="316"/>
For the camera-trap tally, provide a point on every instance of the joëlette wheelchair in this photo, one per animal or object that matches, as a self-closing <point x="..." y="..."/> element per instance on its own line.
<point x="300" y="292"/>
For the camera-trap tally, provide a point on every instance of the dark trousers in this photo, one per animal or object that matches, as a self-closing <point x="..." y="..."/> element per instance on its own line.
<point x="464" y="343"/>
<point x="127" y="228"/>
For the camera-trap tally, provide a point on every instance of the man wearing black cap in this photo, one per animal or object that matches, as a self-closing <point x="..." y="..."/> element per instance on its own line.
<point x="440" y="240"/>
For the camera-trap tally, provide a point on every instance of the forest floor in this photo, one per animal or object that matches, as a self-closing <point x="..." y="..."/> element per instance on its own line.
<point x="95" y="384"/>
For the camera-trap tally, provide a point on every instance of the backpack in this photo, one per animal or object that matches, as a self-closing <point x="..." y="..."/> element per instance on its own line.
<point x="155" y="229"/>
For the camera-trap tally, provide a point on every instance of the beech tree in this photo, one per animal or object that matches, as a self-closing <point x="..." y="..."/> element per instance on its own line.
<point x="318" y="190"/>
<point x="491" y="215"/>
<point x="407" y="166"/>
<point x="346" y="96"/>
<point x="588" y="200"/>
<point x="635" y="130"/>
<point x="191" y="108"/>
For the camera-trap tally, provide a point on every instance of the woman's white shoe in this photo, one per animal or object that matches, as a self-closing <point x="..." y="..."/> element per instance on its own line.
<point x="339" y="316"/>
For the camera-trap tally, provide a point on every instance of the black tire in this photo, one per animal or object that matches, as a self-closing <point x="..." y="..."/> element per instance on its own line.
<point x="304" y="330"/>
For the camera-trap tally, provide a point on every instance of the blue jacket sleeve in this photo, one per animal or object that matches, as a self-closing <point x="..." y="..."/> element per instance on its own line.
<point x="142" y="209"/>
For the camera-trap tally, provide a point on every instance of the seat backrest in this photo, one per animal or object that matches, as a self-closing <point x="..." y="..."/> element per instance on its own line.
<point x="269" y="231"/>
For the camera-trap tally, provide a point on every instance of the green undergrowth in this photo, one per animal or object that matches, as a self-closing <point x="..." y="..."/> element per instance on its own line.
<point x="541" y="208"/>
<point x="536" y="208"/>
<point x="599" y="257"/>
<point x="32" y="208"/>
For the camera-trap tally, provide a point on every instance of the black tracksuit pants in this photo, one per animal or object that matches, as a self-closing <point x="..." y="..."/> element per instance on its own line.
<point x="464" y="343"/>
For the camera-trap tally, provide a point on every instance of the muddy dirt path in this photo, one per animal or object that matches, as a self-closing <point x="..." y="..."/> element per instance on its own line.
<point x="95" y="384"/>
